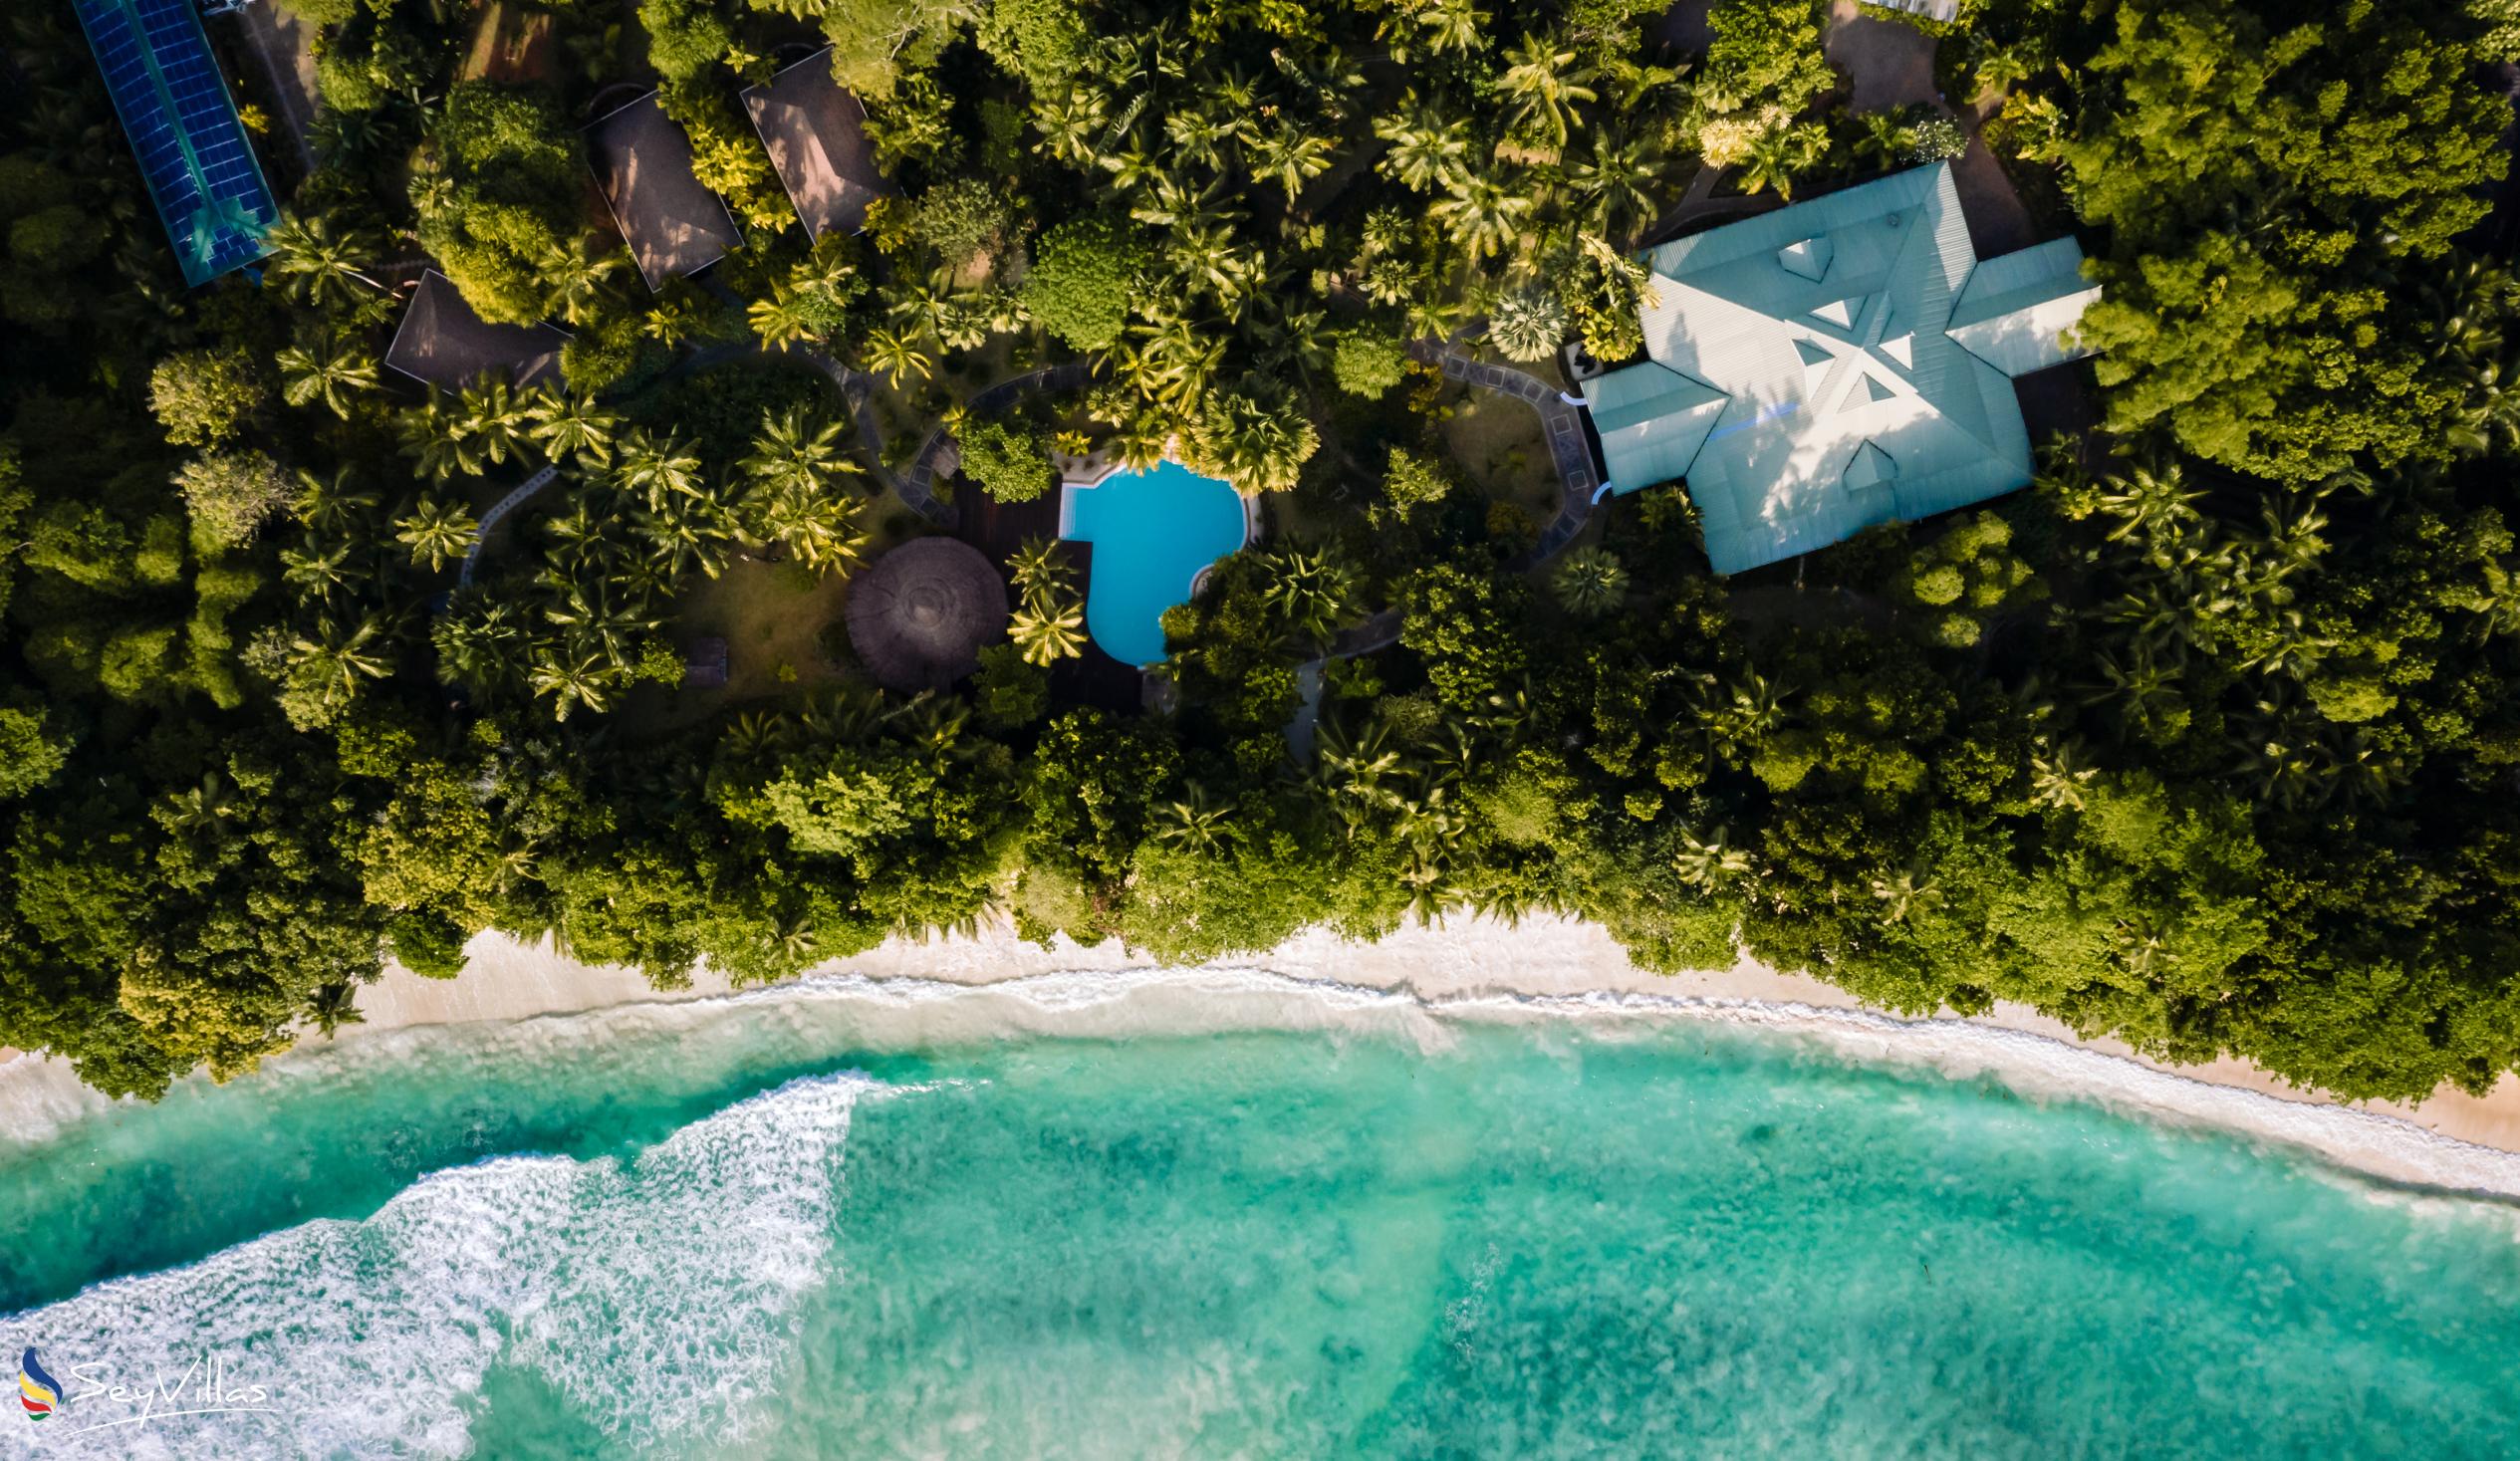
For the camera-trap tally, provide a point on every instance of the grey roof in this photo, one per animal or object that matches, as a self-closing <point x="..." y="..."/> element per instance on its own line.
<point x="2015" y="311"/>
<point x="444" y="343"/>
<point x="705" y="664"/>
<point x="814" y="134"/>
<point x="1841" y="399"/>
<point x="918" y="617"/>
<point x="642" y="162"/>
<point x="1930" y="9"/>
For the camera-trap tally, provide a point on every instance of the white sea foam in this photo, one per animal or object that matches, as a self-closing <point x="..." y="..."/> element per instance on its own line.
<point x="1146" y="999"/>
<point x="659" y="1296"/>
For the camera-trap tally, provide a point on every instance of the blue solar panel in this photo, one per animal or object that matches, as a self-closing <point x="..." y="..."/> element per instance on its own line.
<point x="183" y="125"/>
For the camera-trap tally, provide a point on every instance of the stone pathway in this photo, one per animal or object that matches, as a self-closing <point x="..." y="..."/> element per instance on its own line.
<point x="938" y="456"/>
<point x="1569" y="451"/>
<point x="284" y="44"/>
<point x="1560" y="422"/>
<point x="505" y="505"/>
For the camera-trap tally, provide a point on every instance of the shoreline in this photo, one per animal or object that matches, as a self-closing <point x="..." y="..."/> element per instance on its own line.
<point x="1550" y="969"/>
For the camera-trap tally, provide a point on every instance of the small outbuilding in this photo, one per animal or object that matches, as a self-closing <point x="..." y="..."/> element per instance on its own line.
<point x="442" y="343"/>
<point x="920" y="617"/>
<point x="642" y="162"/>
<point x="815" y="134"/>
<point x="705" y="664"/>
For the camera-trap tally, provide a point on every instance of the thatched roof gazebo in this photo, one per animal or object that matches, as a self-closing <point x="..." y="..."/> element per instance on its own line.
<point x="918" y="617"/>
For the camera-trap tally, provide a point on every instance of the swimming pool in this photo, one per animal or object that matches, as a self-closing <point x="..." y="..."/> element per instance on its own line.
<point x="1154" y="533"/>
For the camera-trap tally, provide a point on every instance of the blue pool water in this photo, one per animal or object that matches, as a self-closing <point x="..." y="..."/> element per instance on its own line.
<point x="1152" y="534"/>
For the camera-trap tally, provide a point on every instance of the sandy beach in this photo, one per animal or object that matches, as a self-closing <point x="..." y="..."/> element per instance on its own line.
<point x="1419" y="979"/>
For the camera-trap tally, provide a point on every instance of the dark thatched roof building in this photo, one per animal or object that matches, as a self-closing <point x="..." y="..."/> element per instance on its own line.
<point x="705" y="664"/>
<point x="918" y="618"/>
<point x="444" y="343"/>
<point x="814" y="134"/>
<point x="643" y="161"/>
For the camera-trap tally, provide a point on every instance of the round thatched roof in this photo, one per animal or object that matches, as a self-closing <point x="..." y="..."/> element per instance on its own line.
<point x="919" y="616"/>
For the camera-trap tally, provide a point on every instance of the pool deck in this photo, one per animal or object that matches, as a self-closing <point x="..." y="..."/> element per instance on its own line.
<point x="997" y="528"/>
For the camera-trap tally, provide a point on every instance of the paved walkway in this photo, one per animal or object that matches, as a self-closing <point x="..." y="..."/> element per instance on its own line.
<point x="1888" y="63"/>
<point x="284" y="44"/>
<point x="1561" y="421"/>
<point x="1569" y="451"/>
<point x="939" y="456"/>
<point x="505" y="505"/>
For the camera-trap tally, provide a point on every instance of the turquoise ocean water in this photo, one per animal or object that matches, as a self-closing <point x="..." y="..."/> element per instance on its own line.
<point x="737" y="1231"/>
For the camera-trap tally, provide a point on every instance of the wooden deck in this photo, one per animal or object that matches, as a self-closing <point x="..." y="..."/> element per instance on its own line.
<point x="996" y="528"/>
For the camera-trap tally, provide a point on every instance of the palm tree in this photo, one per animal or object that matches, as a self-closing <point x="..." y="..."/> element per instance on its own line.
<point x="1617" y="183"/>
<point x="1429" y="149"/>
<point x="481" y="643"/>
<point x="787" y="454"/>
<point x="895" y="355"/>
<point x="1527" y="325"/>
<point x="783" y="318"/>
<point x="436" y="533"/>
<point x="328" y="369"/>
<point x="655" y="472"/>
<point x="1041" y="572"/>
<point x="1887" y="139"/>
<point x="2058" y="776"/>
<point x="1709" y="862"/>
<point x="1909" y="890"/>
<point x="1289" y="158"/>
<point x="327" y="267"/>
<point x="1545" y="80"/>
<point x="1485" y="216"/>
<point x="566" y="425"/>
<point x="488" y="414"/>
<point x="578" y="536"/>
<point x="1048" y="633"/>
<point x="430" y="436"/>
<point x="1771" y="161"/>
<point x="335" y="659"/>
<point x="578" y="279"/>
<point x="1193" y="823"/>
<point x="1312" y="594"/>
<point x="818" y="530"/>
<point x="199" y="807"/>
<point x="572" y="674"/>
<point x="693" y="533"/>
<point x="333" y="507"/>
<point x="1590" y="582"/>
<point x="1258" y="447"/>
<point x="315" y="575"/>
<point x="2496" y="603"/>
<point x="1453" y="25"/>
<point x="1141" y="441"/>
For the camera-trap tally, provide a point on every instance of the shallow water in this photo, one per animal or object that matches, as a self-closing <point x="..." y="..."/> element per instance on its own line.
<point x="738" y="1232"/>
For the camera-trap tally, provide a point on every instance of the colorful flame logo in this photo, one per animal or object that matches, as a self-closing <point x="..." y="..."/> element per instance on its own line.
<point x="37" y="1391"/>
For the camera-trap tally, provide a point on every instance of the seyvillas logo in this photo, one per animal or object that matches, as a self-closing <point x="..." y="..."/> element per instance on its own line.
<point x="38" y="1391"/>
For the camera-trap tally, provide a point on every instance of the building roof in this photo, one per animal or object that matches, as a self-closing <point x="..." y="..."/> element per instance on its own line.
<point x="2014" y="312"/>
<point x="444" y="343"/>
<point x="814" y="134"/>
<point x="1809" y="377"/>
<point x="642" y="162"/>
<point x="1930" y="9"/>
<point x="705" y="664"/>
<point x="918" y="617"/>
<point x="183" y="125"/>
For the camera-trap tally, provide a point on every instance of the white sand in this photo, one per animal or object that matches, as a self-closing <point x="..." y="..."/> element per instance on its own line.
<point x="1423" y="979"/>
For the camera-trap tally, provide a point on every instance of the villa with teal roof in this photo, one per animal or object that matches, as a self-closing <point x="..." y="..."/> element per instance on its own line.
<point x="1839" y="362"/>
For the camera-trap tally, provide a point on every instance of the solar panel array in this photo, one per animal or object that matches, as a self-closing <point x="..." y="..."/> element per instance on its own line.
<point x="183" y="124"/>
